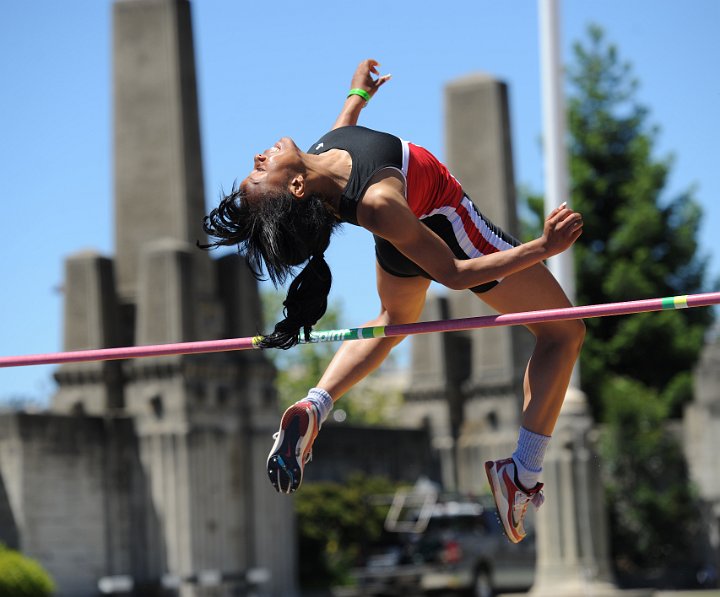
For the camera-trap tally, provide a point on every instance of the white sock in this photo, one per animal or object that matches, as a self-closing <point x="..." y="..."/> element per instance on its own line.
<point x="322" y="400"/>
<point x="529" y="456"/>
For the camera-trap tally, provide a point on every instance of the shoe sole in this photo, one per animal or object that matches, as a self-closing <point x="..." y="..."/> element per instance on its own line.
<point x="501" y="502"/>
<point x="285" y="463"/>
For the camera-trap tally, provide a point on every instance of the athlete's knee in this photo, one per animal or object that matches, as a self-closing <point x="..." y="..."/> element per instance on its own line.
<point x="405" y="310"/>
<point x="565" y="335"/>
<point x="398" y="316"/>
<point x="577" y="333"/>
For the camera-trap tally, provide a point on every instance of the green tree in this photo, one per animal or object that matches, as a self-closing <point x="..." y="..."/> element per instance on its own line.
<point x="336" y="525"/>
<point x="636" y="242"/>
<point x="654" y="514"/>
<point x="21" y="576"/>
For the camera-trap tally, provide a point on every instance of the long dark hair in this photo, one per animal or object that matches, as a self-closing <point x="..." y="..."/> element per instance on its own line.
<point x="278" y="233"/>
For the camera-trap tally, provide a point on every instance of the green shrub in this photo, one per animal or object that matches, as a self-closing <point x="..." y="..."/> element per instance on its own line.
<point x="337" y="522"/>
<point x="21" y="576"/>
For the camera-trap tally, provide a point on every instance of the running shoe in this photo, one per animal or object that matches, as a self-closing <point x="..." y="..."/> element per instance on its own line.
<point x="511" y="498"/>
<point x="293" y="446"/>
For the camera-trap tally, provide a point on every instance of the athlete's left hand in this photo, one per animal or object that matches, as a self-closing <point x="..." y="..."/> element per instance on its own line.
<point x="363" y="77"/>
<point x="563" y="227"/>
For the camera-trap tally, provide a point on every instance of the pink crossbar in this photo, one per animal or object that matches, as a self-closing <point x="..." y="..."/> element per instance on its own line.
<point x="446" y="325"/>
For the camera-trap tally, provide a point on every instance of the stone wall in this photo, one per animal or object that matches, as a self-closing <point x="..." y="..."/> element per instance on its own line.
<point x="72" y="487"/>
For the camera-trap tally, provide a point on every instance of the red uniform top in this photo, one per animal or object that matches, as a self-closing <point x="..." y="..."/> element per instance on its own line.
<point x="429" y="183"/>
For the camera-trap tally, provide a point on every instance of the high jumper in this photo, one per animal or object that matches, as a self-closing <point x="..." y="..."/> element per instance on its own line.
<point x="426" y="228"/>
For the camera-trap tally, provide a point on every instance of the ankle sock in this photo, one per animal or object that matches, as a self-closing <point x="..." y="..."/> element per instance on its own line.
<point x="529" y="456"/>
<point x="322" y="400"/>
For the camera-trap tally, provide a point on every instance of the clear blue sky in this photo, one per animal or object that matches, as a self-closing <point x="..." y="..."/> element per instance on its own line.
<point x="271" y="69"/>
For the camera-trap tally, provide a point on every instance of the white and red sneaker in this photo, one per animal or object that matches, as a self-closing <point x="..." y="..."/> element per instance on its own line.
<point x="293" y="446"/>
<point x="511" y="498"/>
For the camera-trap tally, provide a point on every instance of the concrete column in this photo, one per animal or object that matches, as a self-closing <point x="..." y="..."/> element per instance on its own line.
<point x="158" y="167"/>
<point x="701" y="433"/>
<point x="165" y="303"/>
<point x="572" y="536"/>
<point x="90" y="321"/>
<point x="479" y="154"/>
<point x="433" y="396"/>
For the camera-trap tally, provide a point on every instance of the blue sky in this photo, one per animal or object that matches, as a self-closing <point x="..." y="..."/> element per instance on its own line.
<point x="272" y="69"/>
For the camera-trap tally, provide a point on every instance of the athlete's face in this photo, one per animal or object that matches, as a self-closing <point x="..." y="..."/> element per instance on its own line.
<point x="273" y="168"/>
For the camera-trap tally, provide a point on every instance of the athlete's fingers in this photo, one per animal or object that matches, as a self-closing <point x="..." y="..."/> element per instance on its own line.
<point x="568" y="220"/>
<point x="558" y="215"/>
<point x="556" y="211"/>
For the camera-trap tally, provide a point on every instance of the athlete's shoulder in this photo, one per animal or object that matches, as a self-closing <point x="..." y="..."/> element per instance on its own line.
<point x="384" y="195"/>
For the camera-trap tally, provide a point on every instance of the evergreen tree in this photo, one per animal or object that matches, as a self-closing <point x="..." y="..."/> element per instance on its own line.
<point x="636" y="243"/>
<point x="636" y="370"/>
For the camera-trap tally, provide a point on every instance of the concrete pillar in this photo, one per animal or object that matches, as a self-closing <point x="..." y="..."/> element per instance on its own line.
<point x="238" y="293"/>
<point x="702" y="424"/>
<point x="433" y="395"/>
<point x="203" y="423"/>
<point x="158" y="167"/>
<point x="572" y="532"/>
<point x="90" y="321"/>
<point x="701" y="434"/>
<point x="165" y="294"/>
<point x="479" y="154"/>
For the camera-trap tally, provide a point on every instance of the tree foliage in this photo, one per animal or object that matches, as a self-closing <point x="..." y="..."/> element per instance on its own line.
<point x="337" y="522"/>
<point x="637" y="242"/>
<point x="655" y="522"/>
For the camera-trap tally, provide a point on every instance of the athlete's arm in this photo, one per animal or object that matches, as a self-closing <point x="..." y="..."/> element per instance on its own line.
<point x="384" y="211"/>
<point x="362" y="79"/>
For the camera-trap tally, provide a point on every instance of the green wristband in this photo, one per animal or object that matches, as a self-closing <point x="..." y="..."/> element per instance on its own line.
<point x="361" y="92"/>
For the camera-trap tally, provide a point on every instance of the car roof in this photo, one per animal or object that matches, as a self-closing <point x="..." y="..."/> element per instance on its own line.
<point x="449" y="509"/>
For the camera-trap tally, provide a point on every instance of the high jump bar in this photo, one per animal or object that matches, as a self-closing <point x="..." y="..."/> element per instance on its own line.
<point x="362" y="333"/>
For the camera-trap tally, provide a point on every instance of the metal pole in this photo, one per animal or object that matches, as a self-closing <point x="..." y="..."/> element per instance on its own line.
<point x="554" y="132"/>
<point x="557" y="189"/>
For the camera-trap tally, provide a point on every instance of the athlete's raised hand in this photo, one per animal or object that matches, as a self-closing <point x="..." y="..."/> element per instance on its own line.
<point x="363" y="77"/>
<point x="368" y="80"/>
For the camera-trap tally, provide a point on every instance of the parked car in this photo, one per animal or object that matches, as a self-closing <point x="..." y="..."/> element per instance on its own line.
<point x="441" y="545"/>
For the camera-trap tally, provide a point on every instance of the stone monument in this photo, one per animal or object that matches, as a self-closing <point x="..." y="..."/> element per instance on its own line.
<point x="469" y="384"/>
<point x="154" y="469"/>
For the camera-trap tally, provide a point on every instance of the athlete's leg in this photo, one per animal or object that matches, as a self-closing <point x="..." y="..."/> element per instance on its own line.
<point x="557" y="343"/>
<point x="401" y="301"/>
<point x="514" y="481"/>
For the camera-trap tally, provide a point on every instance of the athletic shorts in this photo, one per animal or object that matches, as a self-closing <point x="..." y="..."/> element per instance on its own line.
<point x="466" y="231"/>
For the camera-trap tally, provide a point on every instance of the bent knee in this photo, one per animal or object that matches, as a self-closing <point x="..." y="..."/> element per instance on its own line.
<point x="568" y="334"/>
<point x="398" y="317"/>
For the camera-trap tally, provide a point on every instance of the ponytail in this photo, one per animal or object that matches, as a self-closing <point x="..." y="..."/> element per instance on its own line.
<point x="278" y="233"/>
<point x="305" y="304"/>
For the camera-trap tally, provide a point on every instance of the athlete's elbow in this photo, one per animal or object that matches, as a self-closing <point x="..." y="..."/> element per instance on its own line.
<point x="462" y="277"/>
<point x="453" y="279"/>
